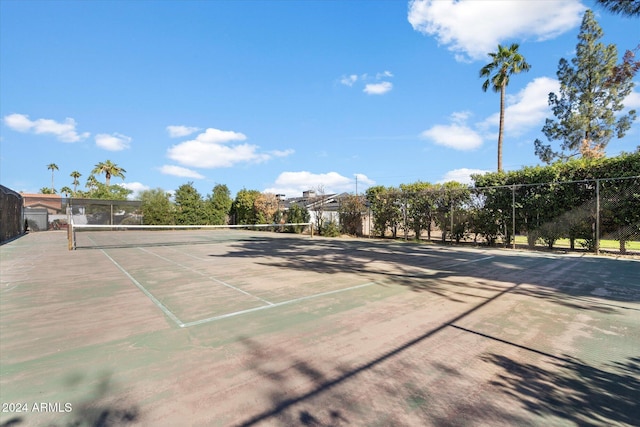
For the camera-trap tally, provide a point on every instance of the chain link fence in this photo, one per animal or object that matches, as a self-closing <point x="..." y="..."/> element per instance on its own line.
<point x="11" y="216"/>
<point x="600" y="215"/>
<point x="103" y="212"/>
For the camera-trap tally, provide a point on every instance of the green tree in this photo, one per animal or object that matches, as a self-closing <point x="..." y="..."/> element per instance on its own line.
<point x="419" y="206"/>
<point x="218" y="205"/>
<point x="52" y="167"/>
<point x="351" y="209"/>
<point x="296" y="215"/>
<point x="243" y="209"/>
<point x="588" y="107"/>
<point x="451" y="201"/>
<point x="75" y="175"/>
<point x="385" y="203"/>
<point x="109" y="170"/>
<point x="505" y="62"/>
<point x="157" y="207"/>
<point x="189" y="205"/>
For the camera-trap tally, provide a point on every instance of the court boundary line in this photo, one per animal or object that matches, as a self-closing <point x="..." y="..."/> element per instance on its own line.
<point x="207" y="276"/>
<point x="144" y="290"/>
<point x="274" y="305"/>
<point x="269" y="305"/>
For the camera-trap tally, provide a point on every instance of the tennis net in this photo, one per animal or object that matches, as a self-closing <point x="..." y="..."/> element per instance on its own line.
<point x="101" y="236"/>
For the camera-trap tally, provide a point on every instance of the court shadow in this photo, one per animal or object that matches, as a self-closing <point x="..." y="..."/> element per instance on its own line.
<point x="573" y="391"/>
<point x="325" y="402"/>
<point x="448" y="271"/>
<point x="98" y="409"/>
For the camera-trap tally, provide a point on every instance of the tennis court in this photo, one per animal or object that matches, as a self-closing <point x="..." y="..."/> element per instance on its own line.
<point x="275" y="329"/>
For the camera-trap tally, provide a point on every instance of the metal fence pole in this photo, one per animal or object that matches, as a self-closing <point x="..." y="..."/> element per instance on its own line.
<point x="597" y="242"/>
<point x="513" y="215"/>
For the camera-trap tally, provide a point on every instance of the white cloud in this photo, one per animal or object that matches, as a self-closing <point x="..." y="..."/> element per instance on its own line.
<point x="65" y="132"/>
<point x="527" y="109"/>
<point x="462" y="175"/>
<point x="349" y="80"/>
<point x="136" y="187"/>
<point x="180" y="171"/>
<point x="375" y="88"/>
<point x="632" y="100"/>
<point x="294" y="183"/>
<point x="282" y="153"/>
<point x="378" y="88"/>
<point x="180" y="131"/>
<point x="456" y="135"/>
<point x="211" y="149"/>
<point x="471" y="29"/>
<point x="115" y="142"/>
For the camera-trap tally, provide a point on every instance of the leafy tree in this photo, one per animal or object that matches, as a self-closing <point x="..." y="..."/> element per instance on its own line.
<point x="75" y="175"/>
<point x="451" y="200"/>
<point x="101" y="191"/>
<point x="266" y="205"/>
<point x="351" y="209"/>
<point x="157" y="207"/>
<point x="218" y="205"/>
<point x="505" y="62"/>
<point x="52" y="167"/>
<point x="109" y="170"/>
<point x="189" y="205"/>
<point x="587" y="110"/>
<point x="243" y="209"/>
<point x="385" y="206"/>
<point x="296" y="215"/>
<point x="419" y="206"/>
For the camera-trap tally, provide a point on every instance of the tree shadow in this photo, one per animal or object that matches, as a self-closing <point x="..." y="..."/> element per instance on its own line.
<point x="97" y="410"/>
<point x="573" y="391"/>
<point x="325" y="391"/>
<point x="425" y="267"/>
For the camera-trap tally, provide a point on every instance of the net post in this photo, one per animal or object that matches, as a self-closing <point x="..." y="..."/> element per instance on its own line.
<point x="70" y="238"/>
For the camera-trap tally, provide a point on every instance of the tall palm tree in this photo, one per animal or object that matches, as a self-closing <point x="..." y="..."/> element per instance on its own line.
<point x="52" y="167"/>
<point x="109" y="169"/>
<point x="505" y="62"/>
<point x="75" y="175"/>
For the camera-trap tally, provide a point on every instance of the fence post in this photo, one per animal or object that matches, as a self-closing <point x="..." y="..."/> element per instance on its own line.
<point x="597" y="240"/>
<point x="513" y="215"/>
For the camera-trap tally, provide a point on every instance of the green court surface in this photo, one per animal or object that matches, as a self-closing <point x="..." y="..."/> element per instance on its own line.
<point x="275" y="329"/>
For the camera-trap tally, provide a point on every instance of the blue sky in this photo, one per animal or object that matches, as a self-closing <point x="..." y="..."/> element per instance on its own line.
<point x="278" y="96"/>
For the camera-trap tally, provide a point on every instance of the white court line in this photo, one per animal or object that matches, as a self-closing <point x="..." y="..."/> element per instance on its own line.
<point x="264" y="307"/>
<point x="207" y="276"/>
<point x="161" y="306"/>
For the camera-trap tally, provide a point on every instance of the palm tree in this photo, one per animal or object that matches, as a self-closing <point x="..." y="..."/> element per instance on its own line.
<point x="108" y="169"/>
<point x="52" y="167"/>
<point x="505" y="62"/>
<point x="75" y="175"/>
<point x="66" y="191"/>
<point x="92" y="182"/>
